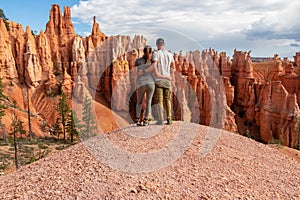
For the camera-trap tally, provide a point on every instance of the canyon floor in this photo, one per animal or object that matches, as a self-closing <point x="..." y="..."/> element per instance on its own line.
<point x="214" y="164"/>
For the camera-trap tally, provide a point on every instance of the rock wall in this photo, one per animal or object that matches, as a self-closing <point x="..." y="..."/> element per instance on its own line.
<point x="206" y="92"/>
<point x="266" y="100"/>
<point x="8" y="69"/>
<point x="276" y="114"/>
<point x="32" y="67"/>
<point x="44" y="53"/>
<point x="60" y="33"/>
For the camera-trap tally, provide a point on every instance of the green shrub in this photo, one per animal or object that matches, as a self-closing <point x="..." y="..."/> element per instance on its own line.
<point x="42" y="146"/>
<point x="61" y="147"/>
<point x="32" y="159"/>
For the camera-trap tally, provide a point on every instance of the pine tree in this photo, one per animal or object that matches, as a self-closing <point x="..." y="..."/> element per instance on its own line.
<point x="5" y="19"/>
<point x="3" y="107"/>
<point x="21" y="129"/>
<point x="89" y="124"/>
<point x="30" y="133"/>
<point x="2" y="15"/>
<point x="73" y="125"/>
<point x="16" y="127"/>
<point x="57" y="128"/>
<point x="64" y="112"/>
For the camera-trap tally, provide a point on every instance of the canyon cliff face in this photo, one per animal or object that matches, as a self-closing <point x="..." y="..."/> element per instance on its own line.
<point x="259" y="100"/>
<point x="266" y="99"/>
<point x="8" y="69"/>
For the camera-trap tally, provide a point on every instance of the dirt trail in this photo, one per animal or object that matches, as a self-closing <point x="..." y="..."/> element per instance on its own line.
<point x="235" y="168"/>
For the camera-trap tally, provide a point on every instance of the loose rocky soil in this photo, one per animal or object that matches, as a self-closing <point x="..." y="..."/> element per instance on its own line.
<point x="28" y="152"/>
<point x="235" y="168"/>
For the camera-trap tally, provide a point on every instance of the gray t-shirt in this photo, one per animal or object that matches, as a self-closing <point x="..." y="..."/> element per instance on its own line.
<point x="146" y="78"/>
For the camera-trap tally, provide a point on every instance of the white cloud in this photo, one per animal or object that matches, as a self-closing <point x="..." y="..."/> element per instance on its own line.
<point x="278" y="24"/>
<point x="223" y="24"/>
<point x="117" y="15"/>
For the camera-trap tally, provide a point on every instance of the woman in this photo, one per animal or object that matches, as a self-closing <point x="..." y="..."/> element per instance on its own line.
<point x="145" y="84"/>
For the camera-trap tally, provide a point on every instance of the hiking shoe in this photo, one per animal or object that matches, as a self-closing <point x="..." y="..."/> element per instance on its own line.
<point x="169" y="121"/>
<point x="160" y="122"/>
<point x="145" y="122"/>
<point x="138" y="122"/>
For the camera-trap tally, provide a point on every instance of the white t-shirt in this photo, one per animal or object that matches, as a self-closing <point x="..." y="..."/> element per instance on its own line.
<point x="164" y="60"/>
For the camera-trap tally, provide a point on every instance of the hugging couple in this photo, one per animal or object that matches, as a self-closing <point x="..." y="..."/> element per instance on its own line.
<point x="154" y="78"/>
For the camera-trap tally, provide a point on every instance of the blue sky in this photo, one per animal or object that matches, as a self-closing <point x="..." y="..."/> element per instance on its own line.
<point x="265" y="27"/>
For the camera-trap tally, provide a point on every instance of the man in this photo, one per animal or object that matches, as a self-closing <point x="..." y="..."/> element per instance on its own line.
<point x="163" y="61"/>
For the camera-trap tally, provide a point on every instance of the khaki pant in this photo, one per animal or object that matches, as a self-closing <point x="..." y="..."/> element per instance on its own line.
<point x="161" y="94"/>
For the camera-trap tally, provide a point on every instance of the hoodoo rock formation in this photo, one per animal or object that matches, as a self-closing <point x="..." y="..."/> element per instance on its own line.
<point x="60" y="33"/>
<point x="32" y="67"/>
<point x="260" y="100"/>
<point x="8" y="69"/>
<point x="266" y="99"/>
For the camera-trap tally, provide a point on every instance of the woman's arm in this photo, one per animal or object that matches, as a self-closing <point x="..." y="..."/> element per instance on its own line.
<point x="153" y="69"/>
